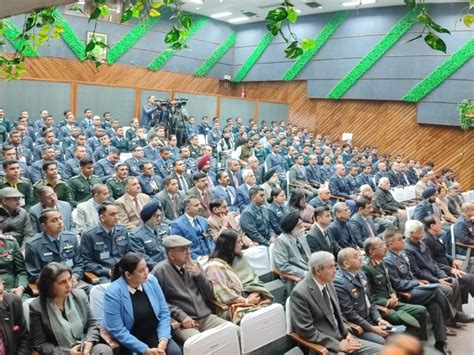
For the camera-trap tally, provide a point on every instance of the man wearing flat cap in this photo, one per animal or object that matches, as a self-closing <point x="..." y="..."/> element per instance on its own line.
<point x="186" y="288"/>
<point x="14" y="220"/>
<point x="147" y="239"/>
<point x="291" y="251"/>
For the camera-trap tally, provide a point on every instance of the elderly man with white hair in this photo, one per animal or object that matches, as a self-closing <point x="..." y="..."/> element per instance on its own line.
<point x="424" y="267"/>
<point x="243" y="199"/>
<point x="382" y="221"/>
<point x="387" y="202"/>
<point x="315" y="311"/>
<point x="323" y="199"/>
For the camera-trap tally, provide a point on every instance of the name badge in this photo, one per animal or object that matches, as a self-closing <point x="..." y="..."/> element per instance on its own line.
<point x="104" y="255"/>
<point x="69" y="263"/>
<point x="99" y="243"/>
<point x="148" y="241"/>
<point x="48" y="254"/>
<point x="119" y="239"/>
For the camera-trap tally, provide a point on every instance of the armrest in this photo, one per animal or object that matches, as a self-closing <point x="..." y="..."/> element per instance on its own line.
<point x="91" y="278"/>
<point x="286" y="277"/>
<point x="33" y="289"/>
<point x="462" y="245"/>
<point x="175" y="324"/>
<point x="339" y="198"/>
<point x="356" y="329"/>
<point x="404" y="296"/>
<point x="219" y="306"/>
<point x="384" y="311"/>
<point x="110" y="341"/>
<point x="318" y="349"/>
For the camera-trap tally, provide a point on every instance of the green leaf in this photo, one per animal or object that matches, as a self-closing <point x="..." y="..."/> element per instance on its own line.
<point x="308" y="44"/>
<point x="292" y="14"/>
<point x="95" y="14"/>
<point x="468" y="20"/>
<point x="410" y="3"/>
<point x="30" y="23"/>
<point x="436" y="27"/>
<point x="167" y="2"/>
<point x="293" y="52"/>
<point x="186" y="21"/>
<point x="172" y="36"/>
<point x="127" y="15"/>
<point x="154" y="13"/>
<point x="104" y="10"/>
<point x="90" y="46"/>
<point x="423" y="18"/>
<point x="278" y="14"/>
<point x="274" y="27"/>
<point x="435" y="42"/>
<point x="177" y="46"/>
<point x="156" y="4"/>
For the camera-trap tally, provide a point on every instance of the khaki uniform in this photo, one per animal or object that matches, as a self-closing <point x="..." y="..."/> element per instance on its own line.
<point x="81" y="188"/>
<point x="12" y="264"/>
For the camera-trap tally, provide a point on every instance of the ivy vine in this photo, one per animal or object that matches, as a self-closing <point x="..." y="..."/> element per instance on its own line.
<point x="466" y="114"/>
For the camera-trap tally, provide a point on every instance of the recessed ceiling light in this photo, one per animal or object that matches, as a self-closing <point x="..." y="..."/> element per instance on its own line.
<point x="197" y="1"/>
<point x="221" y="14"/>
<point x="357" y="3"/>
<point x="197" y="8"/>
<point x="298" y="10"/>
<point x="221" y="0"/>
<point x="238" y="19"/>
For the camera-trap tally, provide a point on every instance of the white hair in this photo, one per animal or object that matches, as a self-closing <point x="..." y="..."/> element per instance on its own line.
<point x="411" y="226"/>
<point x="320" y="259"/>
<point x="365" y="187"/>
<point x="383" y="180"/>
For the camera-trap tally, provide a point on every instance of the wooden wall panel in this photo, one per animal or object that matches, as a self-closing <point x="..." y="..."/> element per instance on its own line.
<point x="390" y="125"/>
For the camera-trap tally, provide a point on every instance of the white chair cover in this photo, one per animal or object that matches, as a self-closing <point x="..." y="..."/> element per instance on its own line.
<point x="258" y="259"/>
<point x="398" y="194"/>
<point x="410" y="192"/>
<point x="96" y="299"/>
<point x="271" y="248"/>
<point x="262" y="327"/>
<point x="216" y="341"/>
<point x="26" y="311"/>
<point x="410" y="211"/>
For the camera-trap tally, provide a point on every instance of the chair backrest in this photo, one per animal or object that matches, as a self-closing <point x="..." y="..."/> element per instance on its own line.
<point x="216" y="341"/>
<point x="471" y="195"/>
<point x="288" y="184"/>
<point x="258" y="259"/>
<point x="410" y="192"/>
<point x="271" y="249"/>
<point x="466" y="196"/>
<point x="410" y="211"/>
<point x="26" y="311"/>
<point x="262" y="327"/>
<point x="96" y="300"/>
<point x="289" y="324"/>
<point x="453" y="242"/>
<point x="398" y="194"/>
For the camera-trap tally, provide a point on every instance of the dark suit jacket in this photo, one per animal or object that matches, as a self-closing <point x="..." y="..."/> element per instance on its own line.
<point x="359" y="228"/>
<point x="422" y="210"/>
<point x="464" y="233"/>
<point x="219" y="193"/>
<point x="187" y="177"/>
<point x="166" y="205"/>
<point x="343" y="234"/>
<point x="243" y="199"/>
<point x="201" y="245"/>
<point x="312" y="319"/>
<point x="231" y="178"/>
<point x="42" y="335"/>
<point x="16" y="333"/>
<point x="146" y="185"/>
<point x="438" y="252"/>
<point x="338" y="187"/>
<point x="194" y="192"/>
<point x="317" y="242"/>
<point x="422" y="264"/>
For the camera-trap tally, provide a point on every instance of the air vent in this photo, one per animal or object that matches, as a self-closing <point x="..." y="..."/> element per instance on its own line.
<point x="249" y="14"/>
<point x="269" y="6"/>
<point x="313" y="4"/>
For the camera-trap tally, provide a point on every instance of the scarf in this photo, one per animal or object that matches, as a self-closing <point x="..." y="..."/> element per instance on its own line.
<point x="67" y="332"/>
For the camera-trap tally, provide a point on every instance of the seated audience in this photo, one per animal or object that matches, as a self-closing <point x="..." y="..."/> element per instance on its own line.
<point x="61" y="320"/>
<point x="464" y="227"/>
<point x="243" y="198"/>
<point x="201" y="191"/>
<point x="277" y="209"/>
<point x="225" y="191"/>
<point x="442" y="205"/>
<point x="385" y="200"/>
<point x="187" y="290"/>
<point x="361" y="223"/>
<point x="291" y="252"/>
<point x="116" y="183"/>
<point x="254" y="221"/>
<point x="150" y="183"/>
<point x="402" y="280"/>
<point x="51" y="178"/>
<point x="234" y="281"/>
<point x="136" y="313"/>
<point x="413" y="316"/>
<point x="14" y="220"/>
<point x="319" y="237"/>
<point x="340" y="229"/>
<point x="105" y="243"/>
<point x="12" y="267"/>
<point x="382" y="221"/>
<point x="192" y="226"/>
<point x="81" y="185"/>
<point x="171" y="199"/>
<point x="323" y="198"/>
<point x="148" y="238"/>
<point x="13" y="179"/>
<point x="454" y="199"/>
<point x="315" y="311"/>
<point x="131" y="203"/>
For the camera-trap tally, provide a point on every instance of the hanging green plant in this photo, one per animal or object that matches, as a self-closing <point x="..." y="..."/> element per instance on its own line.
<point x="466" y="114"/>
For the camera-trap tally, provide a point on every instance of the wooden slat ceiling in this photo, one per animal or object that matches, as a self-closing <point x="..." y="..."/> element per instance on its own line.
<point x="389" y="125"/>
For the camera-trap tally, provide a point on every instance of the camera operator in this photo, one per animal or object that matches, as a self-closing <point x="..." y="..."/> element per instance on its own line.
<point x="166" y="117"/>
<point x="178" y="123"/>
<point x="150" y="113"/>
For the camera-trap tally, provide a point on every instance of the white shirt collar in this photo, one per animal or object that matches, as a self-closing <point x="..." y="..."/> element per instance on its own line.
<point x="133" y="290"/>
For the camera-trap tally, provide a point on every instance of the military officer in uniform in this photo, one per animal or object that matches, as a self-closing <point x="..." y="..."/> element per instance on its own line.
<point x="53" y="244"/>
<point x="51" y="178"/>
<point x="12" y="265"/>
<point x="353" y="292"/>
<point x="116" y="183"/>
<point x="135" y="161"/>
<point x="105" y="167"/>
<point x="384" y="294"/>
<point x="11" y="169"/>
<point x="103" y="245"/>
<point x="81" y="185"/>
<point x="147" y="239"/>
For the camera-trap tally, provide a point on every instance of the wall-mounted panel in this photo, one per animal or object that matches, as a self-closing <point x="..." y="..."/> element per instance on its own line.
<point x="271" y="111"/>
<point x="380" y="89"/>
<point x="237" y="108"/>
<point x="437" y="113"/>
<point x="34" y="96"/>
<point x="120" y="102"/>
<point x="199" y="105"/>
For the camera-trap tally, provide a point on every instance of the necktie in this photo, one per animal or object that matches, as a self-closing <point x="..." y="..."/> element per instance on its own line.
<point x="56" y="244"/>
<point x="236" y="181"/>
<point x="209" y="182"/>
<point x="184" y="186"/>
<point x="304" y="257"/>
<point x="174" y="206"/>
<point x="326" y="236"/>
<point x="205" y="200"/>
<point x="197" y="226"/>
<point x="369" y="228"/>
<point x="138" y="208"/>
<point x="3" y="348"/>
<point x="229" y="197"/>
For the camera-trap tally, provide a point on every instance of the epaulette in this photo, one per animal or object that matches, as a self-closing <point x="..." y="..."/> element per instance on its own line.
<point x="7" y="237"/>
